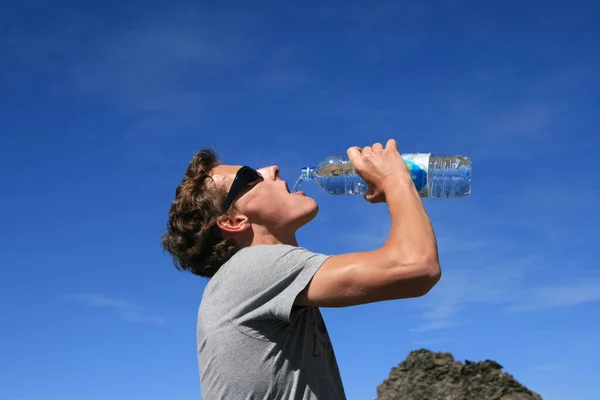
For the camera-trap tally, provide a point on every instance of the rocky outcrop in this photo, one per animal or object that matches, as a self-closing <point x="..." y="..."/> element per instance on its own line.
<point x="426" y="375"/>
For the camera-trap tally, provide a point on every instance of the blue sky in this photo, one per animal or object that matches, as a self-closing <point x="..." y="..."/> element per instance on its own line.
<point x="103" y="106"/>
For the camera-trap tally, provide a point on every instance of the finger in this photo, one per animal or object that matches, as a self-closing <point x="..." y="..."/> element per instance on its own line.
<point x="354" y="153"/>
<point x="391" y="144"/>
<point x="367" y="149"/>
<point x="354" y="149"/>
<point x="377" y="146"/>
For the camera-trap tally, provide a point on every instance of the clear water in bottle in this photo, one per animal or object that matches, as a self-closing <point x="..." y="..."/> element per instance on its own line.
<point x="433" y="175"/>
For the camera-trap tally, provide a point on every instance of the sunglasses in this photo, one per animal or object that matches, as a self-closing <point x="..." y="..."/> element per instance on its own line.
<point x="245" y="177"/>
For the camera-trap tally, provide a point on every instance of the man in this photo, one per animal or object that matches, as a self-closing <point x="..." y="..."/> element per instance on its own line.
<point x="260" y="333"/>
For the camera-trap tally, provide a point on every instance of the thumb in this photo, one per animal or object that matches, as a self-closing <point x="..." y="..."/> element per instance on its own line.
<point x="354" y="154"/>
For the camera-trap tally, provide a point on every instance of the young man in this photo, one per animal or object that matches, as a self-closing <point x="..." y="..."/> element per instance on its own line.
<point x="260" y="333"/>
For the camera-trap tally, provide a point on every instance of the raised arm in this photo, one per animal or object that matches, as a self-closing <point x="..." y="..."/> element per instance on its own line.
<point x="407" y="265"/>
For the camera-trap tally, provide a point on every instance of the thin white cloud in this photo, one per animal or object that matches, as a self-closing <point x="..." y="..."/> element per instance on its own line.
<point x="559" y="296"/>
<point x="506" y="286"/>
<point x="437" y="323"/>
<point x="142" y="69"/>
<point x="431" y="342"/>
<point x="125" y="309"/>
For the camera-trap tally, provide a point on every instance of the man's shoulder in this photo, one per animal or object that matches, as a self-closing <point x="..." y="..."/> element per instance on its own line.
<point x="253" y="262"/>
<point x="259" y="254"/>
<point x="264" y="252"/>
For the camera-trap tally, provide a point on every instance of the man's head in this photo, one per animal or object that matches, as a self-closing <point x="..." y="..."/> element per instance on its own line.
<point x="202" y="233"/>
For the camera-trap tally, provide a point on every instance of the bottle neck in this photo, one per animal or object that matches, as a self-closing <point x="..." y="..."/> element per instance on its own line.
<point x="307" y="174"/>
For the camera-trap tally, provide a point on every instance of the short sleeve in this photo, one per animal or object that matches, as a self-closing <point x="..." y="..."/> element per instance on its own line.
<point x="266" y="279"/>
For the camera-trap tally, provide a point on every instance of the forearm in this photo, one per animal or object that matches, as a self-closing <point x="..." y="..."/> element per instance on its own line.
<point x="412" y="239"/>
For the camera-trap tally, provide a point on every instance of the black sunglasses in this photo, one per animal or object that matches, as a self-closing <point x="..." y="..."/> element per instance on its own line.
<point x="245" y="177"/>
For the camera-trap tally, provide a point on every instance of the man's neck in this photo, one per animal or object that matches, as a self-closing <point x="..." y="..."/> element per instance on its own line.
<point x="269" y="238"/>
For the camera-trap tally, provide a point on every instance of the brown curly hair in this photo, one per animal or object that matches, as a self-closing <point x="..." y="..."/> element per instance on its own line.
<point x="192" y="237"/>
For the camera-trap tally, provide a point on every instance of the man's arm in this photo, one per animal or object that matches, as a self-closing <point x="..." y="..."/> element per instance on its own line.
<point x="407" y="265"/>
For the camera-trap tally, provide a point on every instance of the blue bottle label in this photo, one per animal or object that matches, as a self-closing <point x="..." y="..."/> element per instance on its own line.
<point x="418" y="166"/>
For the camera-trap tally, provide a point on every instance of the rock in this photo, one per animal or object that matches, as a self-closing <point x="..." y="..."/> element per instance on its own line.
<point x="427" y="375"/>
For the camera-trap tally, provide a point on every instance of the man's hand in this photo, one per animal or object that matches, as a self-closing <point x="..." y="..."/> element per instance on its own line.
<point x="379" y="167"/>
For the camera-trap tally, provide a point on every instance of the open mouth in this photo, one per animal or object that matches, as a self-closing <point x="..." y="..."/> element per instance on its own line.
<point x="299" y="192"/>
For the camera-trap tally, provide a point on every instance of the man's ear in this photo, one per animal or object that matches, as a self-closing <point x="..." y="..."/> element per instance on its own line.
<point x="233" y="223"/>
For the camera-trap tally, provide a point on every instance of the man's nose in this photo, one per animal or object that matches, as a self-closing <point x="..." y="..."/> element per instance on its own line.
<point x="271" y="172"/>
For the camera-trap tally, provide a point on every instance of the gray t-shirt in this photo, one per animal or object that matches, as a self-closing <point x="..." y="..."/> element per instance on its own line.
<point x="253" y="342"/>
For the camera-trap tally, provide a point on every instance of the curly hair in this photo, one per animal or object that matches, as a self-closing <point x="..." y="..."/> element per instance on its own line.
<point x="192" y="237"/>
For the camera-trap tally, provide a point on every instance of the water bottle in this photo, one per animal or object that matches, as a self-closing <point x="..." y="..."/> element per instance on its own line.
<point x="440" y="176"/>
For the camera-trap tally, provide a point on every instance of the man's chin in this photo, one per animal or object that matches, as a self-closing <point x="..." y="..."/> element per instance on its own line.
<point x="310" y="214"/>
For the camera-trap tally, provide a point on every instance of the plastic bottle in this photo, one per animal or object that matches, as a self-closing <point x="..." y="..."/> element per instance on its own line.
<point x="436" y="176"/>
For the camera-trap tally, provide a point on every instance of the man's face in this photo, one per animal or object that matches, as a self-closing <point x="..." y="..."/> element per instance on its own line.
<point x="268" y="202"/>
